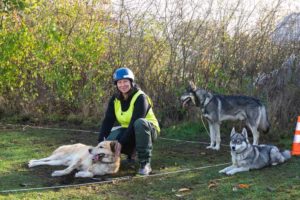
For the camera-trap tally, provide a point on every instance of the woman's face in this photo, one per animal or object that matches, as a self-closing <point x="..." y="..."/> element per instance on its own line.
<point x="124" y="85"/>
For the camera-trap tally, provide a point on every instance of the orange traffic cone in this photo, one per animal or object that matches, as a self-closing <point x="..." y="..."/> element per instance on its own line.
<point x="296" y="143"/>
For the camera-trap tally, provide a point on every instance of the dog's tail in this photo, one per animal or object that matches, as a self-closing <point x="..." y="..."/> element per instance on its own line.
<point x="286" y="154"/>
<point x="264" y="123"/>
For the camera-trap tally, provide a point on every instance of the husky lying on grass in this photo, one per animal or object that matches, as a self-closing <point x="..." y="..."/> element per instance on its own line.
<point x="217" y="108"/>
<point x="246" y="156"/>
<point x="90" y="161"/>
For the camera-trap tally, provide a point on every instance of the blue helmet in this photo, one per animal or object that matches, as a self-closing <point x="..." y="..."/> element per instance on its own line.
<point x="123" y="73"/>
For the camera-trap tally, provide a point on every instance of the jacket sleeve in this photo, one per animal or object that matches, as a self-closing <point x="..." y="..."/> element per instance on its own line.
<point x="108" y="120"/>
<point x="141" y="107"/>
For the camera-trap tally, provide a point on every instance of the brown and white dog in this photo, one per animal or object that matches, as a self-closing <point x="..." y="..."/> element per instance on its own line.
<point x="88" y="160"/>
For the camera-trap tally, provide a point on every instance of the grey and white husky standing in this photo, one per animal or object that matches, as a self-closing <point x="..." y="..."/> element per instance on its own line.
<point x="217" y="108"/>
<point x="246" y="156"/>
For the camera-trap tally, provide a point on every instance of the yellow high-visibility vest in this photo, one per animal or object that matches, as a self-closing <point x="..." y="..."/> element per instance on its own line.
<point x="124" y="117"/>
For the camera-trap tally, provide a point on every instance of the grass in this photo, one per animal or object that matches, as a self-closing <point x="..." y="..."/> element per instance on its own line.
<point x="18" y="146"/>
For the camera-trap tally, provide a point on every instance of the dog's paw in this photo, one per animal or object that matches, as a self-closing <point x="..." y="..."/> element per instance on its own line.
<point x="229" y="173"/>
<point x="58" y="173"/>
<point x="217" y="148"/>
<point x="79" y="174"/>
<point x="31" y="163"/>
<point x="222" y="171"/>
<point x="84" y="174"/>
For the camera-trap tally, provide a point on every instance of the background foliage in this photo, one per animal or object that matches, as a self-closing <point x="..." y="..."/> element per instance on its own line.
<point x="57" y="57"/>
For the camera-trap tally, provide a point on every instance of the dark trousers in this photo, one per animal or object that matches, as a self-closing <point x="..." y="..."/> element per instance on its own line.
<point x="142" y="141"/>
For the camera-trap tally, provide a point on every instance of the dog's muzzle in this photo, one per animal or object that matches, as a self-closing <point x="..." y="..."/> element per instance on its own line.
<point x="185" y="101"/>
<point x="98" y="157"/>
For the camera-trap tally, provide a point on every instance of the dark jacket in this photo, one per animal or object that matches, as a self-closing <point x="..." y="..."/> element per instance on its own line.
<point x="140" y="110"/>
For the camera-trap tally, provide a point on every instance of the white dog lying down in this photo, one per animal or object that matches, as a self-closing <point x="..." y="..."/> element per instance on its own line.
<point x="90" y="161"/>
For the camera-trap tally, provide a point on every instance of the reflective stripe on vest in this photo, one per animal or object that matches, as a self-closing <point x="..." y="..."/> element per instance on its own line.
<point x="124" y="117"/>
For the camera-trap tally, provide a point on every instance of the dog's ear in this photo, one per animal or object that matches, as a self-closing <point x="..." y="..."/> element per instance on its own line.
<point x="192" y="86"/>
<point x="115" y="147"/>
<point x="244" y="133"/>
<point x="232" y="132"/>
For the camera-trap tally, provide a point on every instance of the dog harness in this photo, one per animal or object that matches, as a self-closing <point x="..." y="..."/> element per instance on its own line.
<point x="124" y="117"/>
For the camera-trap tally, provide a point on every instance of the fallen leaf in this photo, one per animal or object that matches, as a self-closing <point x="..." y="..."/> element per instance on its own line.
<point x="242" y="186"/>
<point x="184" y="189"/>
<point x="212" y="184"/>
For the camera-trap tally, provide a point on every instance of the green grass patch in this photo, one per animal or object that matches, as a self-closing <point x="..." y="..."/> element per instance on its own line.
<point x="18" y="147"/>
<point x="187" y="131"/>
